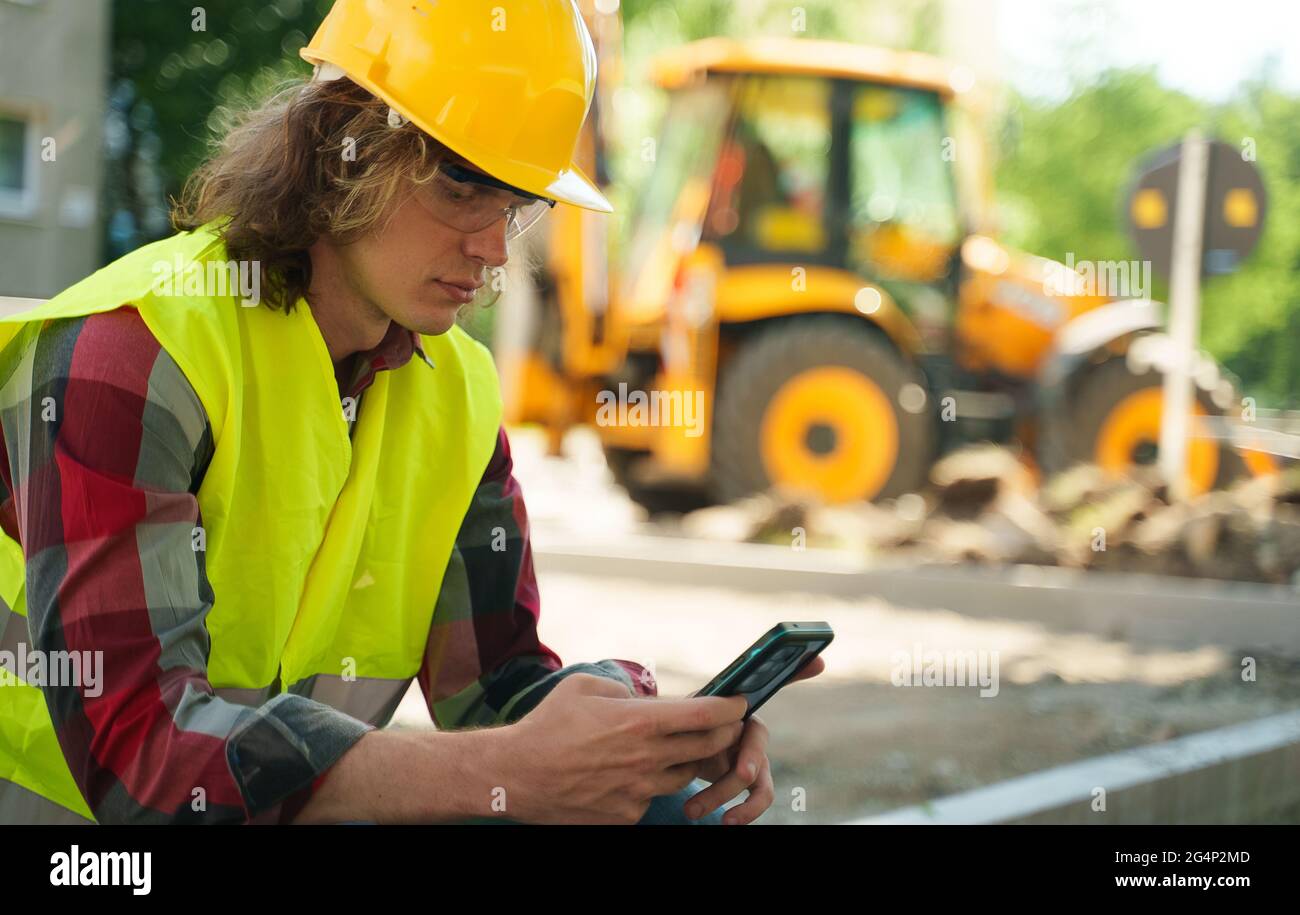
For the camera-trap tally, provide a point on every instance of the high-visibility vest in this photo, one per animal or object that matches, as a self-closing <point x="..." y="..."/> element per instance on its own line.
<point x="325" y="553"/>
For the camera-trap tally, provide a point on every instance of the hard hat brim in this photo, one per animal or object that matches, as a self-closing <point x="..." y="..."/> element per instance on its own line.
<point x="570" y="185"/>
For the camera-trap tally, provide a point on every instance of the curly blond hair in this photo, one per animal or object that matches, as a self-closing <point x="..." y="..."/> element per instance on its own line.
<point x="316" y="159"/>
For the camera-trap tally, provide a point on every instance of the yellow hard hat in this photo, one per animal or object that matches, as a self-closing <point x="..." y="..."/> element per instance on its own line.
<point x="507" y="86"/>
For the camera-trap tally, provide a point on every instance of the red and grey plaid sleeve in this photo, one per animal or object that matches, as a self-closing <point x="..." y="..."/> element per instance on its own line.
<point x="105" y="444"/>
<point x="484" y="663"/>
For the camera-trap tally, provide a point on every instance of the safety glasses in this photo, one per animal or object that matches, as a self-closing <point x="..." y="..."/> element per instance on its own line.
<point x="469" y="201"/>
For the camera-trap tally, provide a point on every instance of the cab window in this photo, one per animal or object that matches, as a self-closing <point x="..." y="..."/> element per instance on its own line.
<point x="903" y="217"/>
<point x="769" y="194"/>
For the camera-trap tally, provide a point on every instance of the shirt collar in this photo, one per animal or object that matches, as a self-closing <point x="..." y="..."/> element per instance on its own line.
<point x="418" y="345"/>
<point x="393" y="352"/>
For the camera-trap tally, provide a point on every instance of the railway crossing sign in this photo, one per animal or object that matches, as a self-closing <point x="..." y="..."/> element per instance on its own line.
<point x="1196" y="209"/>
<point x="1234" y="209"/>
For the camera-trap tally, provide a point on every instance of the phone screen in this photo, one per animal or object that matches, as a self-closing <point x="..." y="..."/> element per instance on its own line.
<point x="770" y="663"/>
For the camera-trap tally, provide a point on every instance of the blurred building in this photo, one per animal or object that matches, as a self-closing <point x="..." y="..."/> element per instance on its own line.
<point x="53" y="74"/>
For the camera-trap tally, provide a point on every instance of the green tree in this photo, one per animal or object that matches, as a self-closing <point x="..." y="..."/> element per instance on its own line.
<point x="172" y="65"/>
<point x="1063" y="184"/>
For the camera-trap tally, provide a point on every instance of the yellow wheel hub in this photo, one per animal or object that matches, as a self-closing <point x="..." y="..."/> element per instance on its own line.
<point x="830" y="430"/>
<point x="1131" y="432"/>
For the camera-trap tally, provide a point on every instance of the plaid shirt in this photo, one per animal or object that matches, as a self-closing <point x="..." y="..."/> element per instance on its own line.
<point x="103" y="501"/>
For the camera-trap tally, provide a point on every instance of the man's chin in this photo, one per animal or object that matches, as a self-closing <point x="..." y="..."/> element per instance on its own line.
<point x="433" y="321"/>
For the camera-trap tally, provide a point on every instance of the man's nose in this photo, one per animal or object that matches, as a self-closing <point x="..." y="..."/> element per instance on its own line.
<point x="488" y="246"/>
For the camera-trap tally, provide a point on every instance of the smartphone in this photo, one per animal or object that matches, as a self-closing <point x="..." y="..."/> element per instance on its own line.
<point x="769" y="663"/>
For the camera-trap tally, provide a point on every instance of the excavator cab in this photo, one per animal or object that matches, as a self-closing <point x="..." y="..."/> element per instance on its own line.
<point x="788" y="250"/>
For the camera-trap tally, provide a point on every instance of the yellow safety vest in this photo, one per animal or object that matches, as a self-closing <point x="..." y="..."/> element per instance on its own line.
<point x="325" y="554"/>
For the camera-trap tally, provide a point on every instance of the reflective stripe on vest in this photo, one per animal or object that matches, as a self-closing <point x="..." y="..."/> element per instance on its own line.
<point x="251" y="697"/>
<point x="372" y="699"/>
<point x="13" y="630"/>
<point x="39" y="771"/>
<point x="20" y="807"/>
<point x="369" y="699"/>
<point x="325" y="554"/>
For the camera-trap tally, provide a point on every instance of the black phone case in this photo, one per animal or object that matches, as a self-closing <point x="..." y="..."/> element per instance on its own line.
<point x="812" y="637"/>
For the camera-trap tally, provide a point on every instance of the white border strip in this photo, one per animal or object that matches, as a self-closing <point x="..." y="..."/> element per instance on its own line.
<point x="1236" y="774"/>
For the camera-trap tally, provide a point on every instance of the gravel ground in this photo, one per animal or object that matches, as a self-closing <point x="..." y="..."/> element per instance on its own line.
<point x="857" y="744"/>
<point x="854" y="742"/>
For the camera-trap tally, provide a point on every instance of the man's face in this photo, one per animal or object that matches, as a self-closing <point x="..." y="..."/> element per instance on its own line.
<point x="410" y="266"/>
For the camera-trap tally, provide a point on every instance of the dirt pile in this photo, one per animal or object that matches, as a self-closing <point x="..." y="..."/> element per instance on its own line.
<point x="983" y="505"/>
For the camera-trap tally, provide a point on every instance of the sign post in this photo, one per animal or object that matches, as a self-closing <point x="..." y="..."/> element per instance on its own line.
<point x="1184" y="313"/>
<point x="1217" y="202"/>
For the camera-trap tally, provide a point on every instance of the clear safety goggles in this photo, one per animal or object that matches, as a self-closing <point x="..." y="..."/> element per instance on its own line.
<point x="469" y="201"/>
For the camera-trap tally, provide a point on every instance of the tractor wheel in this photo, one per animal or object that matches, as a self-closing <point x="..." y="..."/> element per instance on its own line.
<point x="1113" y="421"/>
<point x="814" y="404"/>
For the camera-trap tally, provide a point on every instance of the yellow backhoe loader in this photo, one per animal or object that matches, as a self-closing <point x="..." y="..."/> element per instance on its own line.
<point x="809" y="263"/>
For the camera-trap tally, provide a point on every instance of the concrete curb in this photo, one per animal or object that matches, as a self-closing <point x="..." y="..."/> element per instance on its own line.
<point x="1142" y="609"/>
<point x="1237" y="774"/>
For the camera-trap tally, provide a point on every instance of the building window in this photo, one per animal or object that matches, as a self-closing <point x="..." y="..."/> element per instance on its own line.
<point x="17" y="166"/>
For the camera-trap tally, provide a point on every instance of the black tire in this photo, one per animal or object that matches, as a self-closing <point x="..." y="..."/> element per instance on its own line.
<point x="1070" y="433"/>
<point x="776" y="354"/>
<point x="655" y="499"/>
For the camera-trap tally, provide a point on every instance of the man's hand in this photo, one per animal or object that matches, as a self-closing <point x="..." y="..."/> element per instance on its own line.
<point x="589" y="753"/>
<point x="743" y="766"/>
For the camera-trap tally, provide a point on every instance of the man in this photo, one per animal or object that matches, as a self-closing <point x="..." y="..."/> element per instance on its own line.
<point x="258" y="470"/>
